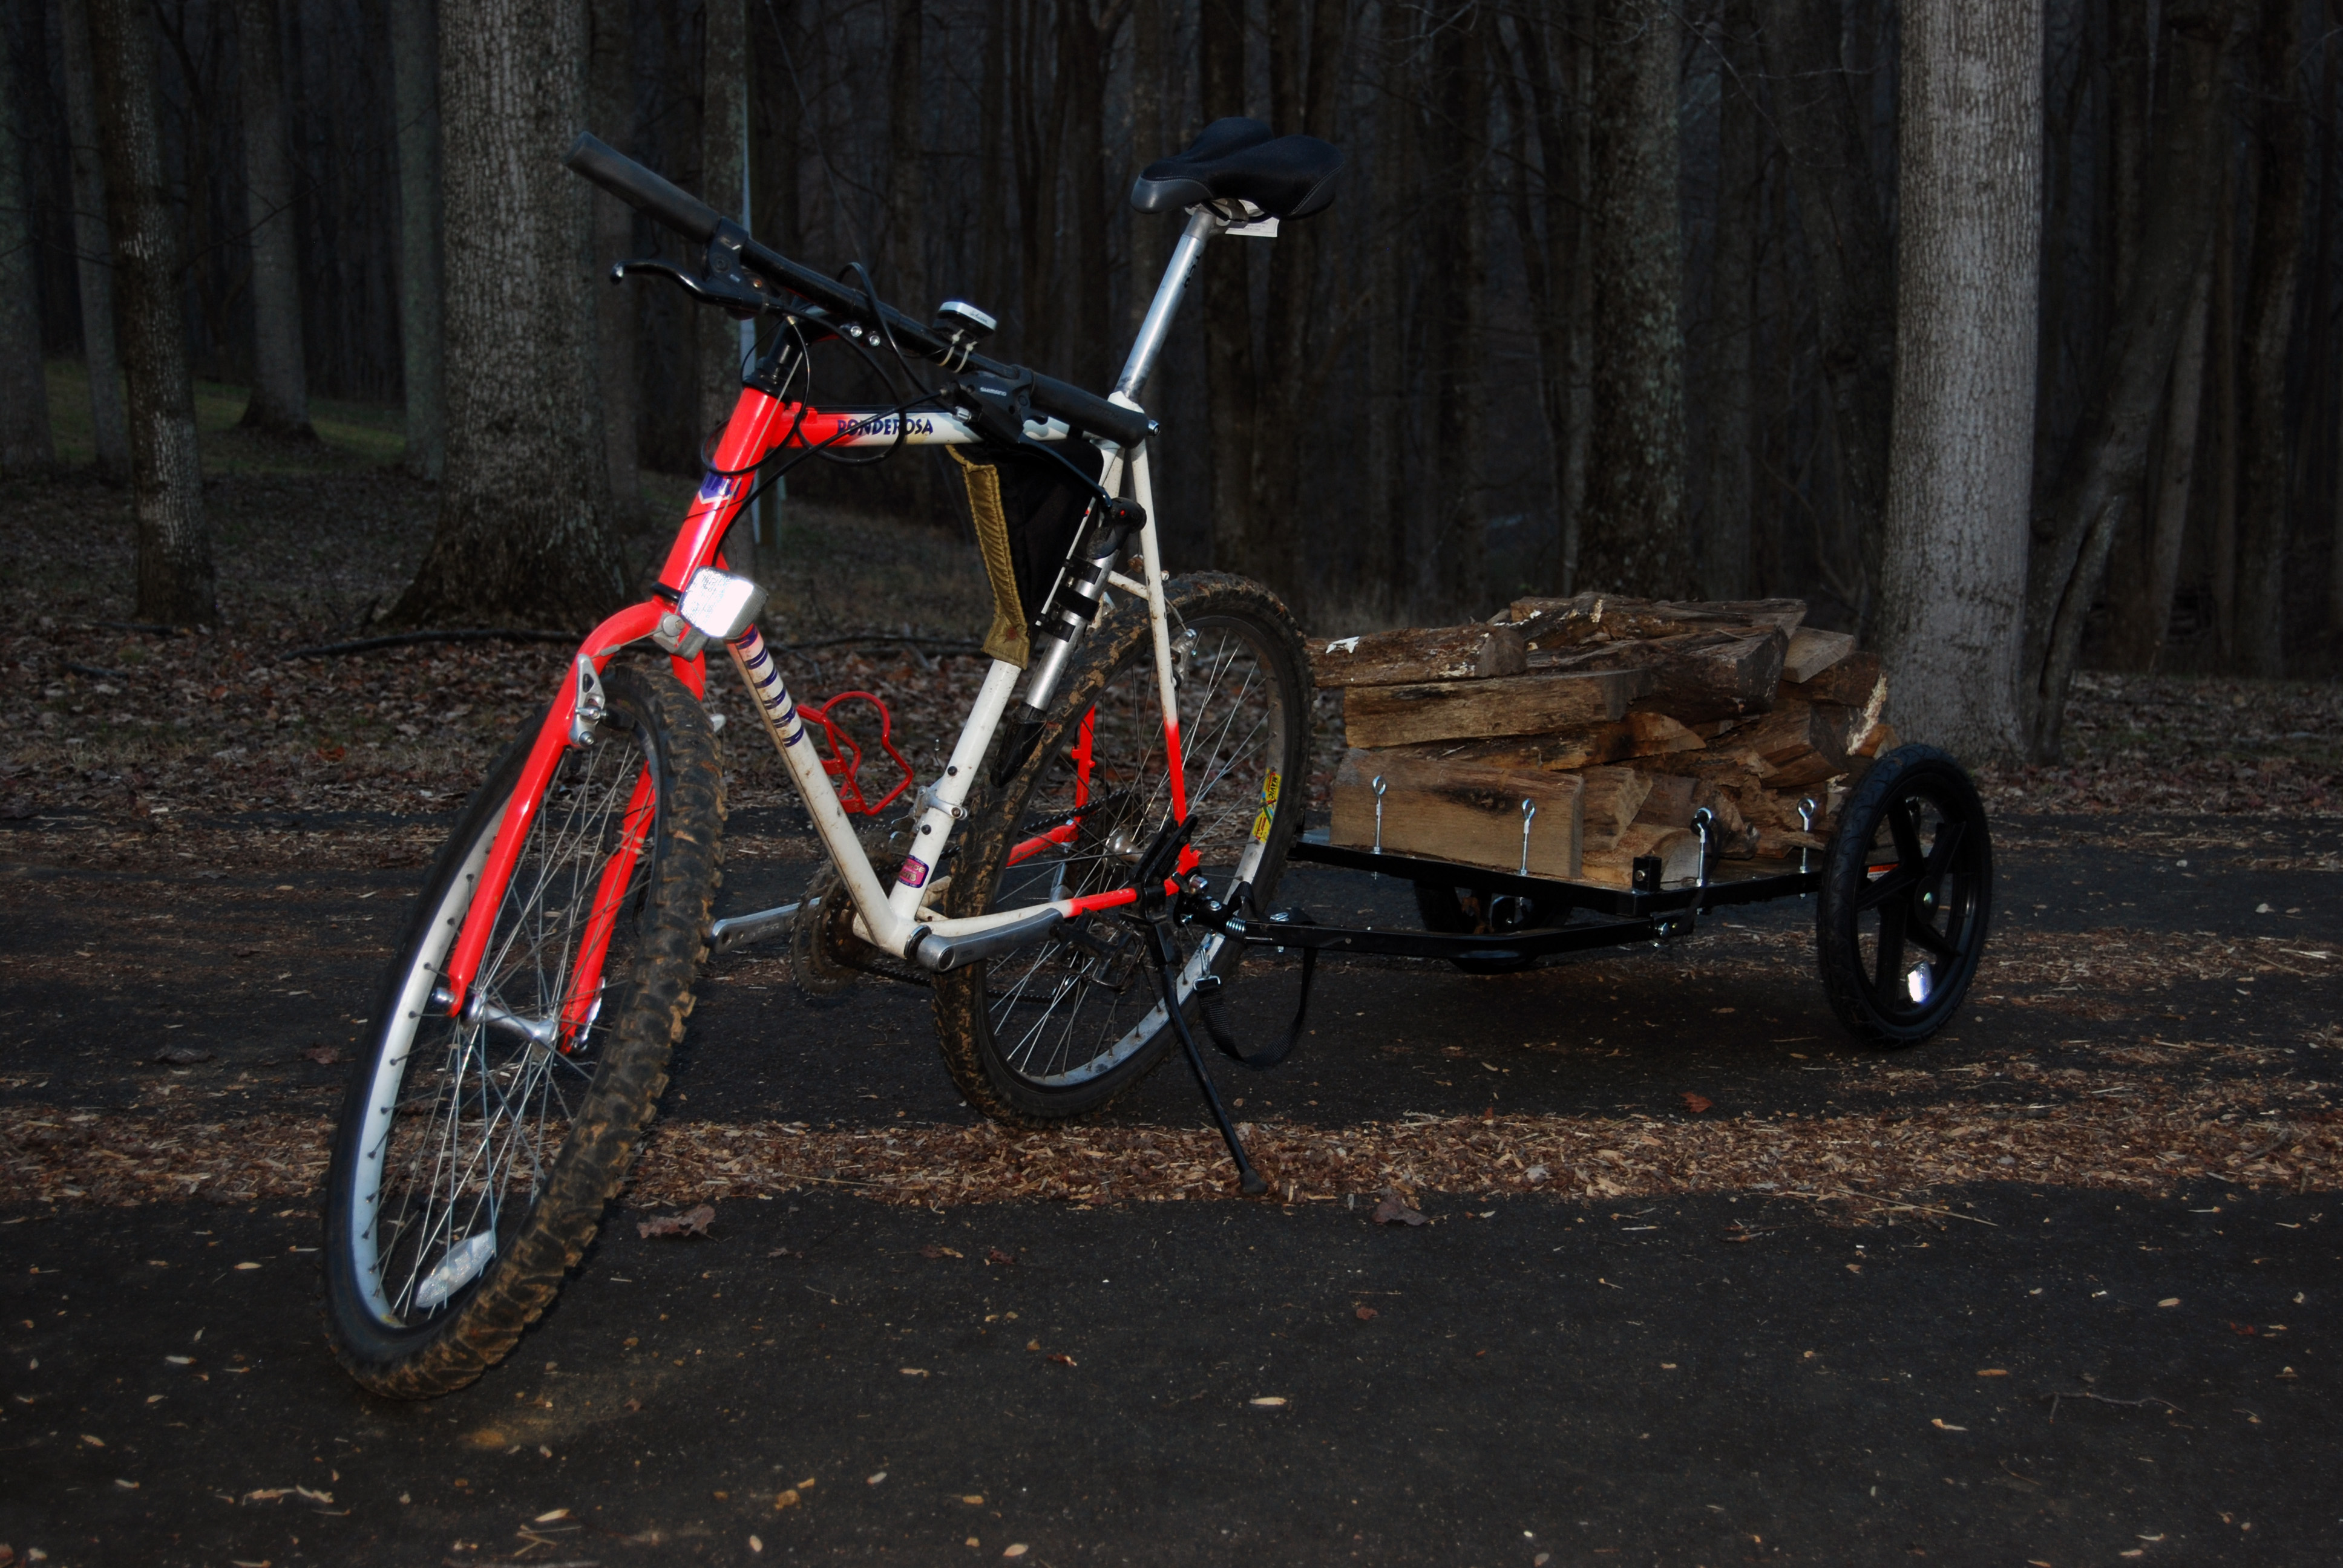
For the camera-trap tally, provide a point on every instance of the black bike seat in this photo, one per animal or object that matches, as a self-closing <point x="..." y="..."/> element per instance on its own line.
<point x="1239" y="160"/>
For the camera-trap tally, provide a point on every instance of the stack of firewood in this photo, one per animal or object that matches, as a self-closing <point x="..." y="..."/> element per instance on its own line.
<point x="1570" y="736"/>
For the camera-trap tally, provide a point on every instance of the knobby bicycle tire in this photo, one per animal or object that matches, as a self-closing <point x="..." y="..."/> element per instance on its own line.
<point x="402" y="1323"/>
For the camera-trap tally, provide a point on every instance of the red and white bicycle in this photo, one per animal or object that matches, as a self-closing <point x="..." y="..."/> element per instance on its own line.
<point x="1117" y="797"/>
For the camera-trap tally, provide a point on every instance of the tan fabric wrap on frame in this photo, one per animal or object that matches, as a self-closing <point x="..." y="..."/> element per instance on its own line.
<point x="1007" y="640"/>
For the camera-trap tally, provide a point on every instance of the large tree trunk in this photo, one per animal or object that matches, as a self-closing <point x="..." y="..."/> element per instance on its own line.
<point x="422" y="279"/>
<point x="1237" y="545"/>
<point x="2270" y="327"/>
<point x="2075" y="526"/>
<point x="523" y="533"/>
<point x="1635" y="539"/>
<point x="24" y="443"/>
<point x="1953" y="572"/>
<point x="1724" y="545"/>
<point x="723" y="145"/>
<point x="174" y="549"/>
<point x="612" y="116"/>
<point x="93" y="265"/>
<point x="2144" y="619"/>
<point x="1851" y="269"/>
<point x="280" y="378"/>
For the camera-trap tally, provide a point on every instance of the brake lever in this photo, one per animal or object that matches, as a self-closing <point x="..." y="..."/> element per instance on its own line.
<point x="742" y="298"/>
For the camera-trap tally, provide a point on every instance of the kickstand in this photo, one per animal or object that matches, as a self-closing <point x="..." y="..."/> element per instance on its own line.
<point x="1160" y="951"/>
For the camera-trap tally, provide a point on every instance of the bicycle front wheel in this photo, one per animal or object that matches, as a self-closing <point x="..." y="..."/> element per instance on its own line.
<point x="476" y="1153"/>
<point x="1063" y="1027"/>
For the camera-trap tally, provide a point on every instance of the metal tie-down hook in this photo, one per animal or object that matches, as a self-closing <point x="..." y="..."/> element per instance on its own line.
<point x="1806" y="826"/>
<point x="1529" y="815"/>
<point x="1379" y="813"/>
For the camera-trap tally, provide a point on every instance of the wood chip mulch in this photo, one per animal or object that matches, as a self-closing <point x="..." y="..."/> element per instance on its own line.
<point x="1861" y="1166"/>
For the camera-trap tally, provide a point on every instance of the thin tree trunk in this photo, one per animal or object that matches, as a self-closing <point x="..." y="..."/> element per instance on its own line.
<point x="2225" y="428"/>
<point x="94" y="266"/>
<point x="1953" y="567"/>
<point x="523" y="533"/>
<point x="1082" y="45"/>
<point x="723" y="139"/>
<point x="1551" y="259"/>
<point x="24" y="442"/>
<point x="1151" y="235"/>
<point x="2075" y="526"/>
<point x="773" y="168"/>
<point x="2269" y="329"/>
<point x="616" y="327"/>
<point x="422" y="284"/>
<point x="1386" y="566"/>
<point x="1725" y="555"/>
<point x="1457" y="263"/>
<point x="2169" y="516"/>
<point x="1237" y="545"/>
<point x="174" y="548"/>
<point x="907" y="185"/>
<point x="1634" y="538"/>
<point x="280" y="382"/>
<point x="1851" y="269"/>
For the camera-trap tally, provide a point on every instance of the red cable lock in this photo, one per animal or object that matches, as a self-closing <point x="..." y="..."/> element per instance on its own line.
<point x="844" y="762"/>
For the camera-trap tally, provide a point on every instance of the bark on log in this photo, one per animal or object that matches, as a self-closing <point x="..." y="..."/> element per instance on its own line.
<point x="1511" y="705"/>
<point x="1459" y="812"/>
<point x="1400" y="658"/>
<point x="1803" y="742"/>
<point x="1556" y="623"/>
<point x="1637" y="735"/>
<point x="1695" y="677"/>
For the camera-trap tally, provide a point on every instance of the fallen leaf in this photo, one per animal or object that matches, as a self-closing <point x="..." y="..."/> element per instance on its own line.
<point x="1366" y="1314"/>
<point x="267" y="1494"/>
<point x="756" y="1544"/>
<point x="2169" y="1302"/>
<point x="875" y="1480"/>
<point x="1032" y="1344"/>
<point x="785" y="1498"/>
<point x="125" y="1485"/>
<point x="1269" y="1401"/>
<point x="938" y="1253"/>
<point x="2247" y="1330"/>
<point x="325" y="1055"/>
<point x="995" y="1255"/>
<point x="634" y="1404"/>
<point x="1062" y="1359"/>
<point x="913" y="1372"/>
<point x="182" y="1055"/>
<point x="1696" y="1103"/>
<point x="92" y="1442"/>
<point x="973" y="1499"/>
<point x="1992" y="1372"/>
<point x="692" y="1222"/>
<point x="1393" y="1209"/>
<point x="1015" y="1549"/>
<point x="1941" y="1424"/>
<point x="241" y="1267"/>
<point x="325" y="1497"/>
<point x="550" y="1517"/>
<point x="1854" y="1268"/>
<point x="180" y="1360"/>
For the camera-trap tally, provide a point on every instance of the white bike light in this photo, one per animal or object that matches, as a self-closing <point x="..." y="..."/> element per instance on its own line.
<point x="721" y="604"/>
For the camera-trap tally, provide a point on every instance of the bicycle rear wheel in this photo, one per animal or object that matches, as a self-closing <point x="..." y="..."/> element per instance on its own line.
<point x="1063" y="1027"/>
<point x="474" y="1155"/>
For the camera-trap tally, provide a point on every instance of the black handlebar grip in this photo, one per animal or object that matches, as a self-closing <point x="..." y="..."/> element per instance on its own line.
<point x="1086" y="411"/>
<point x="639" y="187"/>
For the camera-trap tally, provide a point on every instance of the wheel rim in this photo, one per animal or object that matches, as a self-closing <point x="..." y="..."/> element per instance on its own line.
<point x="1066" y="1012"/>
<point x="467" y="1117"/>
<point x="1918" y="909"/>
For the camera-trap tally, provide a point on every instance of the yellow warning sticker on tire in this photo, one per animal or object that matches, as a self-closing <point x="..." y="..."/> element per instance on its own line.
<point x="1268" y="808"/>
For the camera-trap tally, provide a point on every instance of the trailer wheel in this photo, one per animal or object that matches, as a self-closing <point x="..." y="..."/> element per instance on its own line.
<point x="1906" y="898"/>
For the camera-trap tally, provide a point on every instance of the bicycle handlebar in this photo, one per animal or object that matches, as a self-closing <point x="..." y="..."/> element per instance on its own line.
<point x="658" y="198"/>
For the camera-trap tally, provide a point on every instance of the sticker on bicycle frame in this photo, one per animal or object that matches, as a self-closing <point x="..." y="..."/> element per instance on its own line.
<point x="716" y="487"/>
<point x="1269" y="787"/>
<point x="914" y="873"/>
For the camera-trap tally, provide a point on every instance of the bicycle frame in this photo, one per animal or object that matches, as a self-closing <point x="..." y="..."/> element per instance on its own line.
<point x="894" y="919"/>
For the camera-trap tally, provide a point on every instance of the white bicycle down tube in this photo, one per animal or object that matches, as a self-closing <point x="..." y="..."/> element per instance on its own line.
<point x="946" y="799"/>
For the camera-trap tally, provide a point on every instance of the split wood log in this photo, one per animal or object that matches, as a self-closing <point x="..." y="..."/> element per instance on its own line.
<point x="1459" y="811"/>
<point x="1553" y="623"/>
<point x="1803" y="742"/>
<point x="1812" y="651"/>
<point x="1637" y="735"/>
<point x="1675" y="797"/>
<point x="1695" y="677"/>
<point x="1400" y="658"/>
<point x="1856" y="681"/>
<point x="1879" y="742"/>
<point x="1678" y="848"/>
<point x="1613" y="798"/>
<point x="1475" y="710"/>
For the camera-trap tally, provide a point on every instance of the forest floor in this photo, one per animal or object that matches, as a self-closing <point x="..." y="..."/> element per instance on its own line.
<point x="1702" y="1281"/>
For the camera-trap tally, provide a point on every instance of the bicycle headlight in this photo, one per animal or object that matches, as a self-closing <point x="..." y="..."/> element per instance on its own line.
<point x="721" y="605"/>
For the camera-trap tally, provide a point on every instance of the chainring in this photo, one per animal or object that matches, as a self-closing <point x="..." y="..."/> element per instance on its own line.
<point x="825" y="955"/>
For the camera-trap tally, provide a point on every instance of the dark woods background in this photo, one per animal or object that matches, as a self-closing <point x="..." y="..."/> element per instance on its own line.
<point x="1607" y="298"/>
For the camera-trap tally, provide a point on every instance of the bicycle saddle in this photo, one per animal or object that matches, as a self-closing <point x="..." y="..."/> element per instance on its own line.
<point x="1239" y="160"/>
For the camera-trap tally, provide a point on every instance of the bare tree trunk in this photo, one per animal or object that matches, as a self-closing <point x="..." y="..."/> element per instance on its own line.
<point x="2144" y="620"/>
<point x="174" y="548"/>
<point x="523" y="532"/>
<point x="1151" y="235"/>
<point x="1386" y="566"/>
<point x="778" y="116"/>
<point x="2075" y="526"/>
<point x="1953" y="575"/>
<point x="616" y="326"/>
<point x="723" y="135"/>
<point x="2269" y="329"/>
<point x="1237" y="544"/>
<point x="422" y="285"/>
<point x="1457" y="261"/>
<point x="1851" y="269"/>
<point x="1724" y="554"/>
<point x="1082" y="45"/>
<point x="1550" y="257"/>
<point x="93" y="265"/>
<point x="280" y="378"/>
<point x="1634" y="538"/>
<point x="24" y="443"/>
<point x="2224" y="543"/>
<point x="906" y="184"/>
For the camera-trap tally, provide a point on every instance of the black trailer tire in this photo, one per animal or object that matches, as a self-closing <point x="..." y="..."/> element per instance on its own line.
<point x="1909" y="871"/>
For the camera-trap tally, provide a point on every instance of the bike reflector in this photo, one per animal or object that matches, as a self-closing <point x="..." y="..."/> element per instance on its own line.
<point x="721" y="605"/>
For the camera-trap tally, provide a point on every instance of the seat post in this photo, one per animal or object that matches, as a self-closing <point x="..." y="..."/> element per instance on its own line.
<point x="1202" y="225"/>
